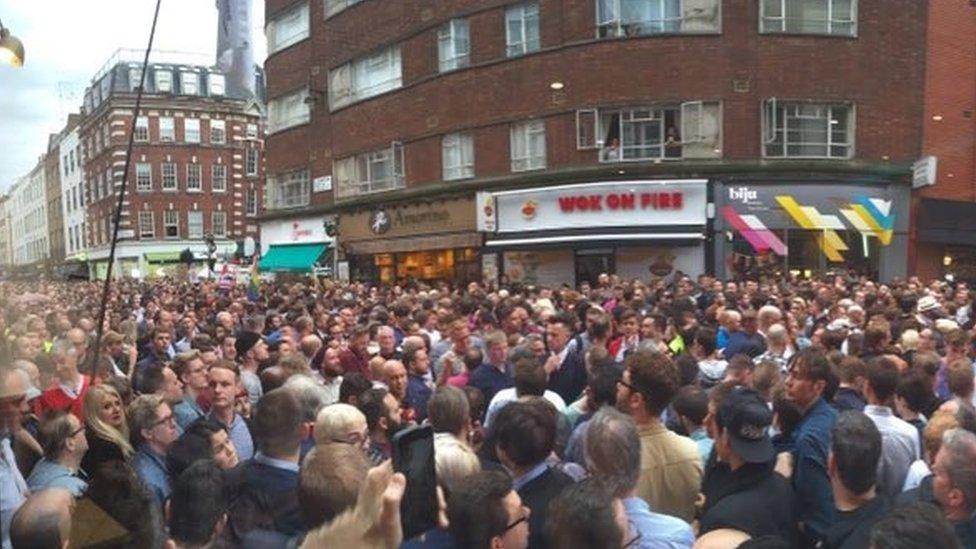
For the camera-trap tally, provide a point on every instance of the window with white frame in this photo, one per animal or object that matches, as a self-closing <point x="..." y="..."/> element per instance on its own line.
<point x="147" y="225"/>
<point x="142" y="129"/>
<point x="218" y="223"/>
<point x="795" y="129"/>
<point x="164" y="80"/>
<point x="143" y="177"/>
<point x="829" y="17"/>
<point x="170" y="179"/>
<point x="372" y="172"/>
<point x="135" y="78"/>
<point x="453" y="45"/>
<point x="109" y="182"/>
<point x="638" y="133"/>
<point x="191" y="130"/>
<point x="218" y="178"/>
<point x="528" y="145"/>
<point x="522" y="29"/>
<point x="333" y="7"/>
<point x="171" y="223"/>
<point x="194" y="224"/>
<point x="218" y="83"/>
<point x="251" y="131"/>
<point x="218" y="132"/>
<point x="365" y="77"/>
<point x="167" y="129"/>
<point x="288" y="190"/>
<point x="288" y="111"/>
<point x="193" y="179"/>
<point x="457" y="156"/>
<point x="190" y="83"/>
<point x="251" y="161"/>
<point x="643" y="17"/>
<point x="287" y="28"/>
<point x="251" y="202"/>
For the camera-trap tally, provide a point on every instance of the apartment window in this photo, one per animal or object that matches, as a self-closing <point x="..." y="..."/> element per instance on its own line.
<point x="218" y="132"/>
<point x="251" y="131"/>
<point x="143" y="178"/>
<point x="142" y="129"/>
<point x="218" y="84"/>
<point x="288" y="111"/>
<point x="190" y="83"/>
<point x="288" y="28"/>
<point x="191" y="130"/>
<point x="522" y="29"/>
<point x="170" y="180"/>
<point x="635" y="134"/>
<point x="135" y="78"/>
<point x="288" y="190"/>
<point x="457" y="156"/>
<point x="831" y="17"/>
<point x="167" y="130"/>
<point x="453" y="45"/>
<point x="333" y="7"/>
<point x="218" y="178"/>
<point x="808" y="130"/>
<point x="251" y="161"/>
<point x="372" y="172"/>
<point x="528" y="146"/>
<point x="164" y="81"/>
<point x="365" y="77"/>
<point x="108" y="182"/>
<point x="251" y="202"/>
<point x="193" y="178"/>
<point x="643" y="17"/>
<point x="171" y="223"/>
<point x="147" y="225"/>
<point x="218" y="222"/>
<point x="194" y="224"/>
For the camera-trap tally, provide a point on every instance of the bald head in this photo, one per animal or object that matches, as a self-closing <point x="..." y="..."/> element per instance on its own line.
<point x="44" y="520"/>
<point x="310" y="345"/>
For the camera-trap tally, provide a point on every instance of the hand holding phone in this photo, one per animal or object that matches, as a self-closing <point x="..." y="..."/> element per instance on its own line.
<point x="413" y="455"/>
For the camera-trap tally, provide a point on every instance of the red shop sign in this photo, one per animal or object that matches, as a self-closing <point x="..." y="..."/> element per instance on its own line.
<point x="669" y="200"/>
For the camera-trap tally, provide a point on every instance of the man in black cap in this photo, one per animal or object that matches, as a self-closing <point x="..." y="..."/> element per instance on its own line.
<point x="252" y="350"/>
<point x="752" y="497"/>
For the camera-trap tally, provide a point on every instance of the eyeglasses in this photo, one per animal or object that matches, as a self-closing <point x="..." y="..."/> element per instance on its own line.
<point x="627" y="385"/>
<point x="76" y="431"/>
<point x="518" y="521"/>
<point x="168" y="419"/>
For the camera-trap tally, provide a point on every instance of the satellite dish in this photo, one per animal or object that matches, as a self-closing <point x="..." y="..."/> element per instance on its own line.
<point x="249" y="246"/>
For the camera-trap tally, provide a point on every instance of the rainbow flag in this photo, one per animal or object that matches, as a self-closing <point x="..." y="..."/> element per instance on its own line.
<point x="254" y="285"/>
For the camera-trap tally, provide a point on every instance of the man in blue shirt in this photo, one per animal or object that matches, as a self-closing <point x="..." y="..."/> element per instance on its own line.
<point x="418" y="388"/>
<point x="613" y="455"/>
<point x="225" y="382"/>
<point x="496" y="372"/>
<point x="809" y="385"/>
<point x="153" y="425"/>
<point x="64" y="444"/>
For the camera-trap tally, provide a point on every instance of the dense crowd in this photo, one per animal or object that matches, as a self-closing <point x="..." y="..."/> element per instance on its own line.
<point x="835" y="412"/>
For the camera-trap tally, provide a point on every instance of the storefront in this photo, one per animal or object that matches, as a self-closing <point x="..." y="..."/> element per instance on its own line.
<point x="945" y="239"/>
<point x="297" y="245"/>
<point x="571" y="234"/>
<point x="423" y="241"/>
<point x="809" y="228"/>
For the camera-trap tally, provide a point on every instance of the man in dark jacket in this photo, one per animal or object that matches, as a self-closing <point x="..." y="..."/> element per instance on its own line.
<point x="752" y="497"/>
<point x="853" y="468"/>
<point x="565" y="366"/>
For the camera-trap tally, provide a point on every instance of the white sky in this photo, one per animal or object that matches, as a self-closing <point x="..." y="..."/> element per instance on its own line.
<point x="67" y="41"/>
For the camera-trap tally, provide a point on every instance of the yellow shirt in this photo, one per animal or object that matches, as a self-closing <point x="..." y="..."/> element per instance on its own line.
<point x="671" y="471"/>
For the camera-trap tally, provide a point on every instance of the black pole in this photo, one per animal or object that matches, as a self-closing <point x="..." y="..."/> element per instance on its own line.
<point x="118" y="208"/>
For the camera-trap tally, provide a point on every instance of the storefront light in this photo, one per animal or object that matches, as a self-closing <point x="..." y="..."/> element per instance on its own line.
<point x="556" y="86"/>
<point x="937" y="118"/>
<point x="947" y="260"/>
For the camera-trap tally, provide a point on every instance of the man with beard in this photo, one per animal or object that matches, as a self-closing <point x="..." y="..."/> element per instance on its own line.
<point x="383" y="419"/>
<point x="328" y="365"/>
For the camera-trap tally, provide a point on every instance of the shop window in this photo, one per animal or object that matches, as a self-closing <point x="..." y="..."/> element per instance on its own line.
<point x="522" y="29"/>
<point x="829" y="17"/>
<point x="623" y="18"/>
<point x="807" y="130"/>
<point x="371" y="172"/>
<point x="528" y="146"/>
<point x="458" y="156"/>
<point x="453" y="46"/>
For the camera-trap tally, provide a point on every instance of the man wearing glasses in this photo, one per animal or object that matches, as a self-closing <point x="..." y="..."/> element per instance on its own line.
<point x="64" y="443"/>
<point x="153" y="424"/>
<point x="484" y="510"/>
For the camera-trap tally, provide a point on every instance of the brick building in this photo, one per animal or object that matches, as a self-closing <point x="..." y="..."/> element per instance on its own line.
<point x="196" y="162"/>
<point x="548" y="141"/>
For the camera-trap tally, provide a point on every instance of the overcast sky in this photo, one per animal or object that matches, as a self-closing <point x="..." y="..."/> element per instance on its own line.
<point x="67" y="41"/>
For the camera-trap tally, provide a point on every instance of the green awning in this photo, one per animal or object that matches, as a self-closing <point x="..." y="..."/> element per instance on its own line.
<point x="163" y="257"/>
<point x="291" y="257"/>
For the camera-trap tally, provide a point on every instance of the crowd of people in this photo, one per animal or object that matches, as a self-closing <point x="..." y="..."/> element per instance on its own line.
<point x="836" y="412"/>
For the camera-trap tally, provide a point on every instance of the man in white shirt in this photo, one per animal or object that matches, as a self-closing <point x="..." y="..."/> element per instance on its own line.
<point x="530" y="380"/>
<point x="13" y="488"/>
<point x="899" y="439"/>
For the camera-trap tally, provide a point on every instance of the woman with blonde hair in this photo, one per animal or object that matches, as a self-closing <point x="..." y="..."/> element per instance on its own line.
<point x="105" y="428"/>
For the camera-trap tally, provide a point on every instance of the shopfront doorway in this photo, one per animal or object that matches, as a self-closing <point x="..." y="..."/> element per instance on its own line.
<point x="590" y="264"/>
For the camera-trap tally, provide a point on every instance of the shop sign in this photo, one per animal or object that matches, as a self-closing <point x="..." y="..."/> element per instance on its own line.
<point x="487" y="220"/>
<point x="924" y="172"/>
<point x="288" y="231"/>
<point x="380" y="221"/>
<point x="611" y="204"/>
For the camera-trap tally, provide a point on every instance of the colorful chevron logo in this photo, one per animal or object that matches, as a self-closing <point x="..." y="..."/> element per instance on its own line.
<point x="872" y="217"/>
<point x="809" y="217"/>
<point x="754" y="231"/>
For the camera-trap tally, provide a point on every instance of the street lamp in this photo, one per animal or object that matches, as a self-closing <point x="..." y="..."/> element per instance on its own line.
<point x="11" y="48"/>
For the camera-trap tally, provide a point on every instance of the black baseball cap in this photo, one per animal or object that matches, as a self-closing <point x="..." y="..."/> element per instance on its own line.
<point x="245" y="342"/>
<point x="746" y="418"/>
